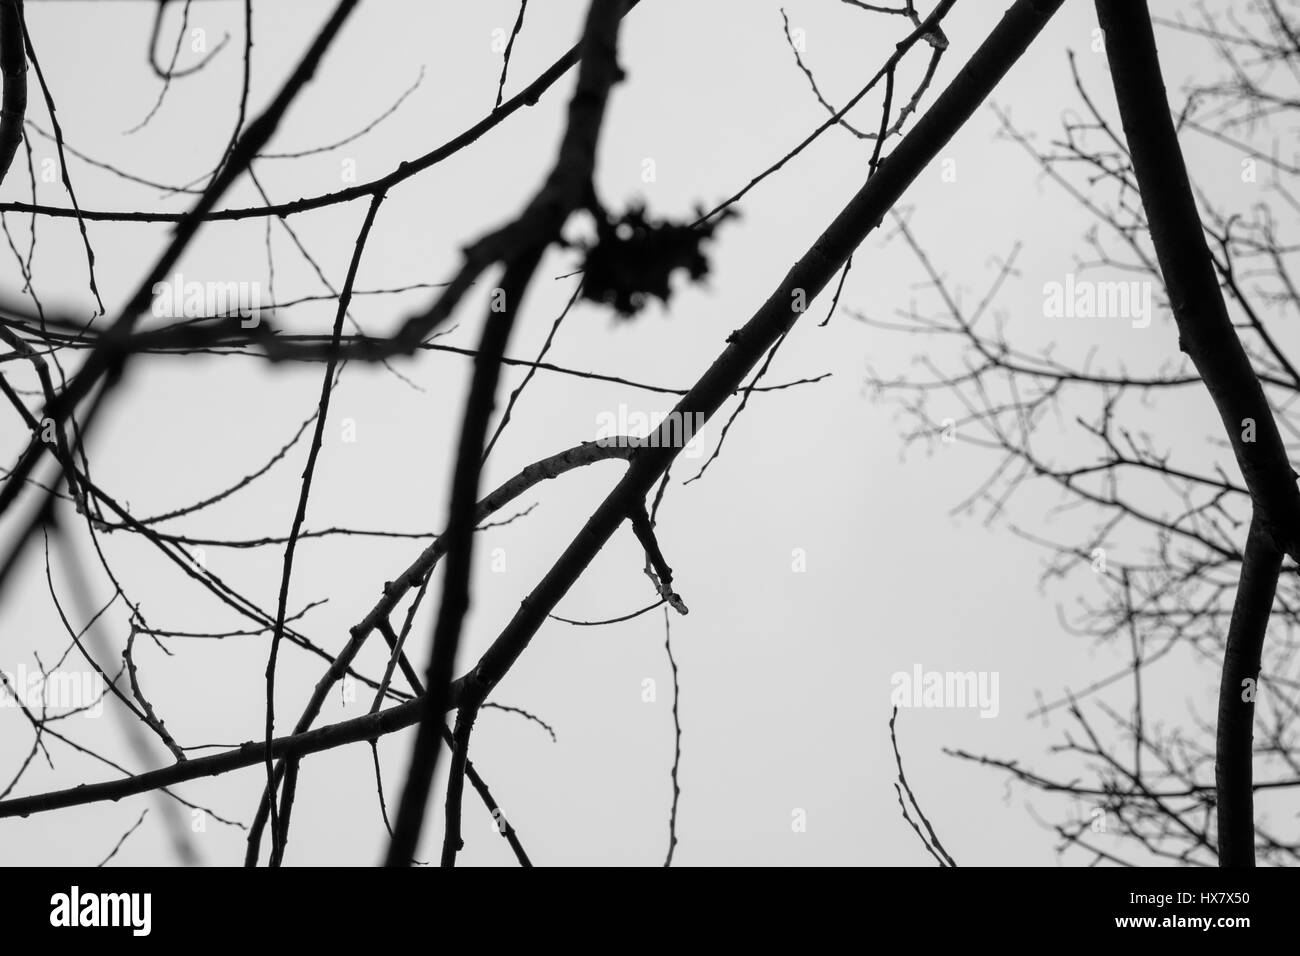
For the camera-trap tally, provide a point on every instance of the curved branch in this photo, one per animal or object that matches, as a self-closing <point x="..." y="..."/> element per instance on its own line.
<point x="1205" y="330"/>
<point x="585" y="454"/>
<point x="13" y="65"/>
<point x="1234" y="747"/>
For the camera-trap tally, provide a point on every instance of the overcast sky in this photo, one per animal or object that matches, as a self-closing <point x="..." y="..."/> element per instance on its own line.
<point x="816" y="558"/>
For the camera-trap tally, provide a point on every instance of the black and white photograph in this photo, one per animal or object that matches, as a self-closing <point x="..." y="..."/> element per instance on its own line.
<point x="747" y="434"/>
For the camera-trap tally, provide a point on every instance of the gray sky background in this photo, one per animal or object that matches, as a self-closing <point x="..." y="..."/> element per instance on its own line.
<point x="785" y="676"/>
